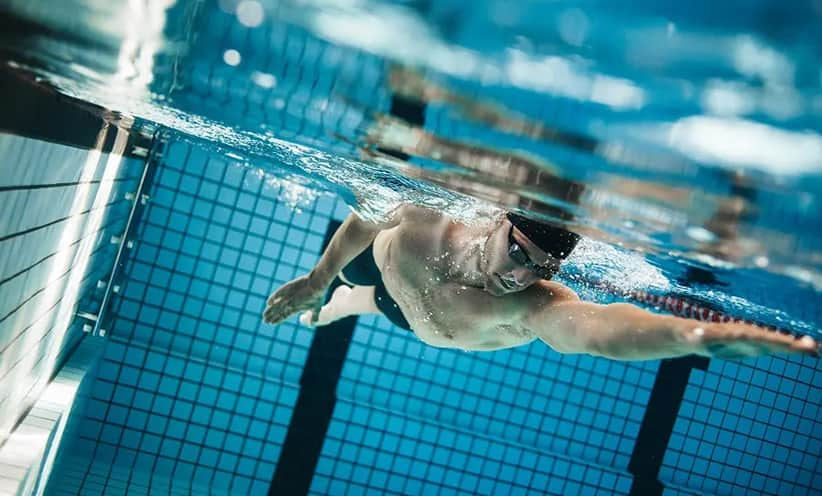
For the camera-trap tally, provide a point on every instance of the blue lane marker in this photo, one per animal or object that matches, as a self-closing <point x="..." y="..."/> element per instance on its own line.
<point x="658" y="423"/>
<point x="315" y="403"/>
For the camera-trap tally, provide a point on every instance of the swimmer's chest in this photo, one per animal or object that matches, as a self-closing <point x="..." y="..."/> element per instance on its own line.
<point x="439" y="326"/>
<point x="435" y="318"/>
<point x="411" y="252"/>
<point x="413" y="259"/>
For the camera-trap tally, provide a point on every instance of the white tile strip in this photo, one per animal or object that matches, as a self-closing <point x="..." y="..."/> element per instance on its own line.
<point x="28" y="454"/>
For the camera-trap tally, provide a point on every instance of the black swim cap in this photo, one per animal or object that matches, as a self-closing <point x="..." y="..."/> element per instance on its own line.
<point x="553" y="240"/>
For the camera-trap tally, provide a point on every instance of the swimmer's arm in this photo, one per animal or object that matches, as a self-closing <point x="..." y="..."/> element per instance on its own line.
<point x="554" y="314"/>
<point x="351" y="239"/>
<point x="620" y="331"/>
<point x="626" y="332"/>
<point x="307" y="292"/>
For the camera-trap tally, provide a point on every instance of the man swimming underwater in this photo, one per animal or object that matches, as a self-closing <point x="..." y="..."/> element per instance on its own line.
<point x="488" y="287"/>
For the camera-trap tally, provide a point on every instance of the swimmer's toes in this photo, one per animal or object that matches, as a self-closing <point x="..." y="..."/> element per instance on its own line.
<point x="306" y="319"/>
<point x="315" y="318"/>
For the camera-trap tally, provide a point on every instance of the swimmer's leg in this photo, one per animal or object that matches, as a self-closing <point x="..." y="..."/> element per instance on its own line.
<point x="344" y="302"/>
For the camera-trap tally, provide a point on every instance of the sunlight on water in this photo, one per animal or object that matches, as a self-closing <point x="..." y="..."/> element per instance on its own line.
<point x="395" y="32"/>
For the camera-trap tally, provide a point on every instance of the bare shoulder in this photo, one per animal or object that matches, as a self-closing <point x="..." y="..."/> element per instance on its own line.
<point x="420" y="227"/>
<point x="511" y="307"/>
<point x="414" y="231"/>
<point x="546" y="293"/>
<point x="414" y="213"/>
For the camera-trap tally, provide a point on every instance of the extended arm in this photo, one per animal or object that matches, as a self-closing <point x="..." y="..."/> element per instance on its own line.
<point x="306" y="292"/>
<point x="554" y="314"/>
<point x="626" y="332"/>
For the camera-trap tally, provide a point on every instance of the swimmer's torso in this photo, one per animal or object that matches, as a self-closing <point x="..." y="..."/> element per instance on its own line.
<point x="431" y="266"/>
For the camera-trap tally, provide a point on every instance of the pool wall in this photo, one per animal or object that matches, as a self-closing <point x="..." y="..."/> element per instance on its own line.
<point x="192" y="394"/>
<point x="195" y="395"/>
<point x="62" y="206"/>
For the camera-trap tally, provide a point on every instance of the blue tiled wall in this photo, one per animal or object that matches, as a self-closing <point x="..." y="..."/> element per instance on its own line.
<point x="52" y="254"/>
<point x="316" y="89"/>
<point x="194" y="393"/>
<point x="750" y="427"/>
<point x="381" y="451"/>
<point x="579" y="406"/>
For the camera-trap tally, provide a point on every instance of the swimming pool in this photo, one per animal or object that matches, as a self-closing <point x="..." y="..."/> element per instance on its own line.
<point x="256" y="130"/>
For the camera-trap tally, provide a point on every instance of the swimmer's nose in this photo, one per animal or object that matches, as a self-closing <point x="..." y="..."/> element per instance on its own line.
<point x="520" y="277"/>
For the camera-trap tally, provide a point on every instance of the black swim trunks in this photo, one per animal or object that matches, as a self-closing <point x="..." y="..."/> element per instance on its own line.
<point x="363" y="271"/>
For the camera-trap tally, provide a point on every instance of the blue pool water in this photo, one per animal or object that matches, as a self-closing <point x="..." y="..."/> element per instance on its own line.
<point x="682" y="139"/>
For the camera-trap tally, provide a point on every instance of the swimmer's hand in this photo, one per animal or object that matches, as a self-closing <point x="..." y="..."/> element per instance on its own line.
<point x="298" y="295"/>
<point x="737" y="340"/>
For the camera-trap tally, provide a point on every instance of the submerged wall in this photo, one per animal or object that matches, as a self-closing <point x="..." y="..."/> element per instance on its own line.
<point x="195" y="395"/>
<point x="61" y="206"/>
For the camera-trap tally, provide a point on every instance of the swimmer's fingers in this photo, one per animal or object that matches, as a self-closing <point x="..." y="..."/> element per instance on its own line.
<point x="734" y="340"/>
<point x="295" y="296"/>
<point x="274" y="314"/>
<point x="282" y="294"/>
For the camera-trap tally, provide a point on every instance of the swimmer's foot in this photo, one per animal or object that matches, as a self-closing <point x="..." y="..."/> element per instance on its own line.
<point x="736" y="340"/>
<point x="334" y="310"/>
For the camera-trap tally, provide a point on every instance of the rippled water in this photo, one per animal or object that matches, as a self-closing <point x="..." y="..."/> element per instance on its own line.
<point x="682" y="138"/>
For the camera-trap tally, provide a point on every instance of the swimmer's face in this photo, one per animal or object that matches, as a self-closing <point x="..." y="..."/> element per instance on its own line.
<point x="513" y="262"/>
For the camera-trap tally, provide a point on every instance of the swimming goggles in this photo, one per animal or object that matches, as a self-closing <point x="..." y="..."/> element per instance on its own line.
<point x="517" y="254"/>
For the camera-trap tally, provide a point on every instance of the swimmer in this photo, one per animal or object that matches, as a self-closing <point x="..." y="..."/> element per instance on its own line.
<point x="489" y="286"/>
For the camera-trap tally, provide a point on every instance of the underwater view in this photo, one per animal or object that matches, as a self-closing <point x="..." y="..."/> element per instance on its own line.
<point x="340" y="247"/>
